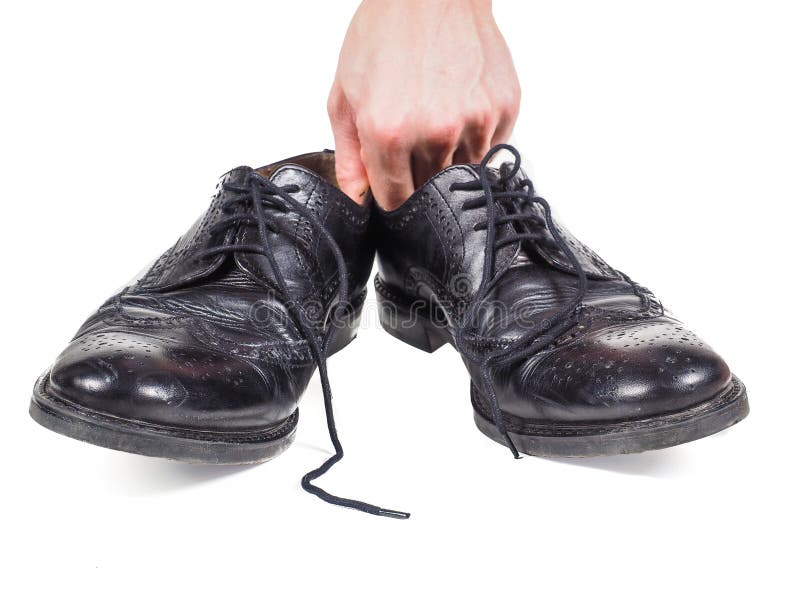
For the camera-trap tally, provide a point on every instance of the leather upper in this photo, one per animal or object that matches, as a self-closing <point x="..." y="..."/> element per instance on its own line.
<point x="623" y="356"/>
<point x="207" y="342"/>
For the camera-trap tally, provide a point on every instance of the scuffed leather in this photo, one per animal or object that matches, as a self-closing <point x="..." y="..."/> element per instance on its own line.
<point x="624" y="357"/>
<point x="206" y="344"/>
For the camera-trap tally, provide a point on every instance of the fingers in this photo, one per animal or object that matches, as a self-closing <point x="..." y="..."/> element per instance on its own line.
<point x="386" y="155"/>
<point x="434" y="149"/>
<point x="350" y="172"/>
<point x="503" y="131"/>
<point x="395" y="155"/>
<point x="485" y="129"/>
<point x="425" y="164"/>
<point x="476" y="137"/>
<point x="461" y="140"/>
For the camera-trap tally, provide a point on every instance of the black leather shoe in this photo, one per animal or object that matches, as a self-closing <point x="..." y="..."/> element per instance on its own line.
<point x="567" y="356"/>
<point x="204" y="358"/>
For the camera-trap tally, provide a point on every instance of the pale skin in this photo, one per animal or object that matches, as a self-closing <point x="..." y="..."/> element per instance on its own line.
<point x="421" y="85"/>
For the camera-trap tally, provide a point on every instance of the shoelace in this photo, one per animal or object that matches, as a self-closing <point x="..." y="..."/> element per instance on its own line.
<point x="495" y="193"/>
<point x="256" y="193"/>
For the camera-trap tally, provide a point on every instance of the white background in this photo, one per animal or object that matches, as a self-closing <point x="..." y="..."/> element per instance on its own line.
<point x="665" y="134"/>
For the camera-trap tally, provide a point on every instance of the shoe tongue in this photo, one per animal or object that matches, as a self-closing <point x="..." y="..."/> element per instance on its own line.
<point x="300" y="176"/>
<point x="592" y="264"/>
<point x="294" y="247"/>
<point x="180" y="265"/>
<point x="281" y="175"/>
<point x="292" y="239"/>
<point x="497" y="172"/>
<point x="235" y="176"/>
<point x="510" y="255"/>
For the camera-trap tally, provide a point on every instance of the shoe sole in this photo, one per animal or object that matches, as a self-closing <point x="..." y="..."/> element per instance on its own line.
<point x="620" y="437"/>
<point x="569" y="439"/>
<point x="148" y="439"/>
<point x="175" y="443"/>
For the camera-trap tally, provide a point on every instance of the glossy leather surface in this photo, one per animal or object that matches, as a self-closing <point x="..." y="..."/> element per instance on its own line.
<point x="206" y="343"/>
<point x="624" y="356"/>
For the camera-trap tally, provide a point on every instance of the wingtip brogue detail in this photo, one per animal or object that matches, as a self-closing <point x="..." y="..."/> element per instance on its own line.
<point x="568" y="356"/>
<point x="205" y="356"/>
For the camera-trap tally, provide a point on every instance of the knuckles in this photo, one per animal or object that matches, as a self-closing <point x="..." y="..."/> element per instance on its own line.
<point x="443" y="134"/>
<point x="441" y="129"/>
<point x="390" y="133"/>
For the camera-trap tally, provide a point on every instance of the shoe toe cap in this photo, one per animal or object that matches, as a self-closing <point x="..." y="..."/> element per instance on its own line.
<point x="143" y="378"/>
<point x="626" y="371"/>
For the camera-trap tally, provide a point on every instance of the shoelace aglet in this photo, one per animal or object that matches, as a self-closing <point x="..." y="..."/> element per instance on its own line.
<point x="394" y="514"/>
<point x="512" y="447"/>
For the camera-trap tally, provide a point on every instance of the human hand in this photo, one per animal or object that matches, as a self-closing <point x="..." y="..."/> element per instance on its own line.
<point x="421" y="84"/>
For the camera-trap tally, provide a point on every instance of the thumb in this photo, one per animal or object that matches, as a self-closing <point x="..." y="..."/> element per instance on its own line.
<point x="350" y="171"/>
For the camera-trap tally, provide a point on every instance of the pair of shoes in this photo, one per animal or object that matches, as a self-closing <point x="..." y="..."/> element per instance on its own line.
<point x="205" y="356"/>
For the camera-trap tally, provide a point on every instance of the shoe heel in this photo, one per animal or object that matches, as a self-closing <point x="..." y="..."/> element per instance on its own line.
<point x="410" y="326"/>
